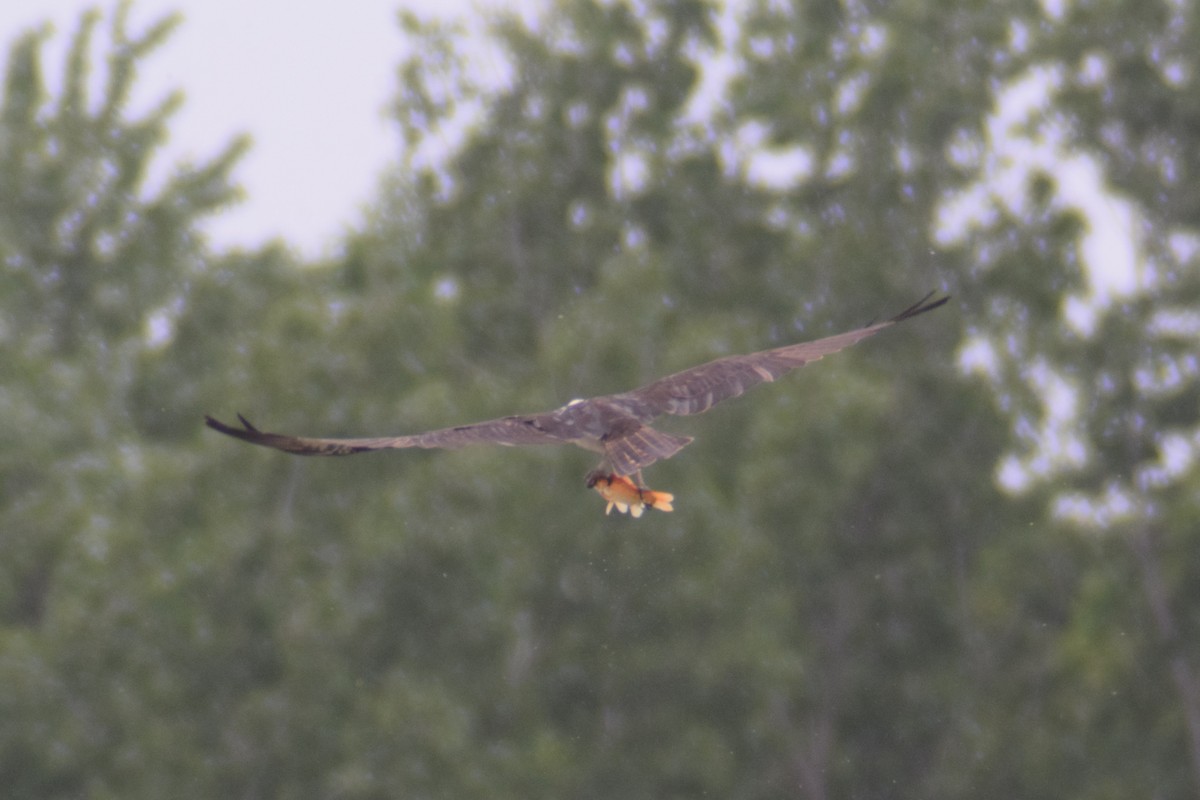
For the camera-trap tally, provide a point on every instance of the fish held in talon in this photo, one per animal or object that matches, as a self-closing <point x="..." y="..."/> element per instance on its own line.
<point x="627" y="497"/>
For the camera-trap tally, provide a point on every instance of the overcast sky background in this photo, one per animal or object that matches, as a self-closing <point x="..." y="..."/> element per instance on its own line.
<point x="308" y="81"/>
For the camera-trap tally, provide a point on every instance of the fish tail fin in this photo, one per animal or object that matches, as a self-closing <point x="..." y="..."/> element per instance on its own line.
<point x="660" y="500"/>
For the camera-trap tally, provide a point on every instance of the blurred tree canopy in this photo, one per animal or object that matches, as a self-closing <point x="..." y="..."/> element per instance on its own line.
<point x="959" y="560"/>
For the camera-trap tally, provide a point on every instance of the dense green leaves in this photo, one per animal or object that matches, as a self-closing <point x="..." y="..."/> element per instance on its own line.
<point x="846" y="602"/>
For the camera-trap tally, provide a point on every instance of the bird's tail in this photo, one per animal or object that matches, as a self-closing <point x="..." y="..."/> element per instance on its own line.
<point x="641" y="448"/>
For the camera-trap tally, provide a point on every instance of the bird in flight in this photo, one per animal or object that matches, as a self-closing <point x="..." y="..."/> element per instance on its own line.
<point x="617" y="425"/>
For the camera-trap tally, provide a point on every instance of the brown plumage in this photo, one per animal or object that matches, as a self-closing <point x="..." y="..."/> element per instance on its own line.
<point x="615" y="425"/>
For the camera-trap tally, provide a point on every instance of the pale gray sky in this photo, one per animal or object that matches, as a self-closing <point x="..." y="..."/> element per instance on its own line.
<point x="308" y="81"/>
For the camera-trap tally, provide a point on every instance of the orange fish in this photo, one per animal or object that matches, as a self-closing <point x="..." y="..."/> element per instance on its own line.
<point x="622" y="493"/>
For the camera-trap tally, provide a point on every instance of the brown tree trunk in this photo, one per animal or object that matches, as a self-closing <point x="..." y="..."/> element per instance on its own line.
<point x="1183" y="676"/>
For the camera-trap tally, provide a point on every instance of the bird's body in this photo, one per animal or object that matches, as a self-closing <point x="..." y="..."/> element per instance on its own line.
<point x="616" y="426"/>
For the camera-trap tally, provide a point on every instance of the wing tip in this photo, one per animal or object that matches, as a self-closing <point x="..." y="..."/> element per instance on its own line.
<point x="221" y="427"/>
<point x="920" y="307"/>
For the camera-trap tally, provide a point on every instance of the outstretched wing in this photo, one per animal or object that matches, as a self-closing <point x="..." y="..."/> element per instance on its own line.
<point x="533" y="429"/>
<point x="700" y="388"/>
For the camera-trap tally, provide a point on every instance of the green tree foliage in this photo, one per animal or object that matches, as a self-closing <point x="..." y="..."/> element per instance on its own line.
<point x="845" y="602"/>
<point x="1098" y="376"/>
<point x="90" y="258"/>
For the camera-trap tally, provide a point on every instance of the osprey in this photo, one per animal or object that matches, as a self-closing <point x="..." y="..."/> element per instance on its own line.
<point x="617" y="425"/>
